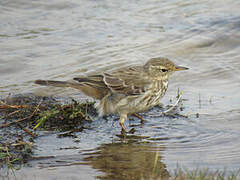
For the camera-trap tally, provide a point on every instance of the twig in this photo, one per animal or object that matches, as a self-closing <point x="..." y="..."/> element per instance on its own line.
<point x="168" y="110"/>
<point x="86" y="108"/>
<point x="27" y="131"/>
<point x="11" y="123"/>
<point x="171" y="108"/>
<point x="23" y="119"/>
<point x="20" y="143"/>
<point x="86" y="111"/>
<point x="4" y="106"/>
<point x="10" y="114"/>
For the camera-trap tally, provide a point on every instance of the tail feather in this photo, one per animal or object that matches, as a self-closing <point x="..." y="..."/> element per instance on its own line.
<point x="87" y="88"/>
<point x="52" y="83"/>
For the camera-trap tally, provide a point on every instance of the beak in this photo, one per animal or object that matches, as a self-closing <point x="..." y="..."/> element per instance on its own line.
<point x="180" y="68"/>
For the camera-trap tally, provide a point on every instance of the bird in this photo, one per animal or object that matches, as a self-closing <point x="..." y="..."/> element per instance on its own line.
<point x="127" y="90"/>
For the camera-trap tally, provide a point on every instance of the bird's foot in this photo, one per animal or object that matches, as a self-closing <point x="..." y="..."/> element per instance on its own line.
<point x="123" y="128"/>
<point x="124" y="132"/>
<point x="139" y="117"/>
<point x="131" y="131"/>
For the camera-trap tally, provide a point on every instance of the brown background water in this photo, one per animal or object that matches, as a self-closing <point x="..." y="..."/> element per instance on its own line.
<point x="63" y="39"/>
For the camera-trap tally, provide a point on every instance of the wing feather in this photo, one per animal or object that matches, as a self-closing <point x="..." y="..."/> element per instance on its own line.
<point x="128" y="81"/>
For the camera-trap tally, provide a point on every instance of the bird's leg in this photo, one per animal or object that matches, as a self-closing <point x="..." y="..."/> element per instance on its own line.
<point x="123" y="117"/>
<point x="139" y="117"/>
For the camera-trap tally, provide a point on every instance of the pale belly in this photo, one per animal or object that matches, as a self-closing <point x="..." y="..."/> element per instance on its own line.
<point x="125" y="104"/>
<point x="136" y="104"/>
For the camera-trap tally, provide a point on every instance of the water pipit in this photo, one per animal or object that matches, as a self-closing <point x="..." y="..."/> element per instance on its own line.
<point x="125" y="91"/>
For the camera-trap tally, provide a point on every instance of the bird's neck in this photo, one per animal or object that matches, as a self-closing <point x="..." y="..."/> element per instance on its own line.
<point x="160" y="85"/>
<point x="160" y="78"/>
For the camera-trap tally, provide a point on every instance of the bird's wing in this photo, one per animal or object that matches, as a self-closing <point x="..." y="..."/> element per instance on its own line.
<point x="130" y="81"/>
<point x="93" y="80"/>
<point x="92" y="86"/>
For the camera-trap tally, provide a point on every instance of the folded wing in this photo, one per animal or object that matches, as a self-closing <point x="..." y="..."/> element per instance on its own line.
<point x="128" y="81"/>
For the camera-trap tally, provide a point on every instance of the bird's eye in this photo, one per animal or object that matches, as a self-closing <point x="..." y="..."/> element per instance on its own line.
<point x="164" y="70"/>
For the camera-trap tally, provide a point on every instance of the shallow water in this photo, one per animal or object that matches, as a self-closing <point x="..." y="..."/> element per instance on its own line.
<point x="61" y="40"/>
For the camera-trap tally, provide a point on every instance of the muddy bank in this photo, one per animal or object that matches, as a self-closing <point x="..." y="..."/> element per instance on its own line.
<point x="25" y="117"/>
<point x="29" y="119"/>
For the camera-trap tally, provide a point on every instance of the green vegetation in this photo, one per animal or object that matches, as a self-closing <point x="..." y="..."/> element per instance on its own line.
<point x="64" y="117"/>
<point x="204" y="174"/>
<point x="25" y="117"/>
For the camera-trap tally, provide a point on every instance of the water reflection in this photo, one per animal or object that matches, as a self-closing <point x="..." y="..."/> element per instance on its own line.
<point x="129" y="160"/>
<point x="121" y="161"/>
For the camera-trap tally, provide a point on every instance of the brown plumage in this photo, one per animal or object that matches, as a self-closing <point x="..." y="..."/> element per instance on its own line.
<point x="127" y="90"/>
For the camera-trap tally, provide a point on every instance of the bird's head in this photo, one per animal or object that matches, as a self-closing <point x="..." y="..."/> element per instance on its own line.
<point x="161" y="68"/>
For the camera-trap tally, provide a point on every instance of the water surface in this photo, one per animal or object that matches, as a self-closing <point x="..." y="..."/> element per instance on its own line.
<point x="61" y="40"/>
